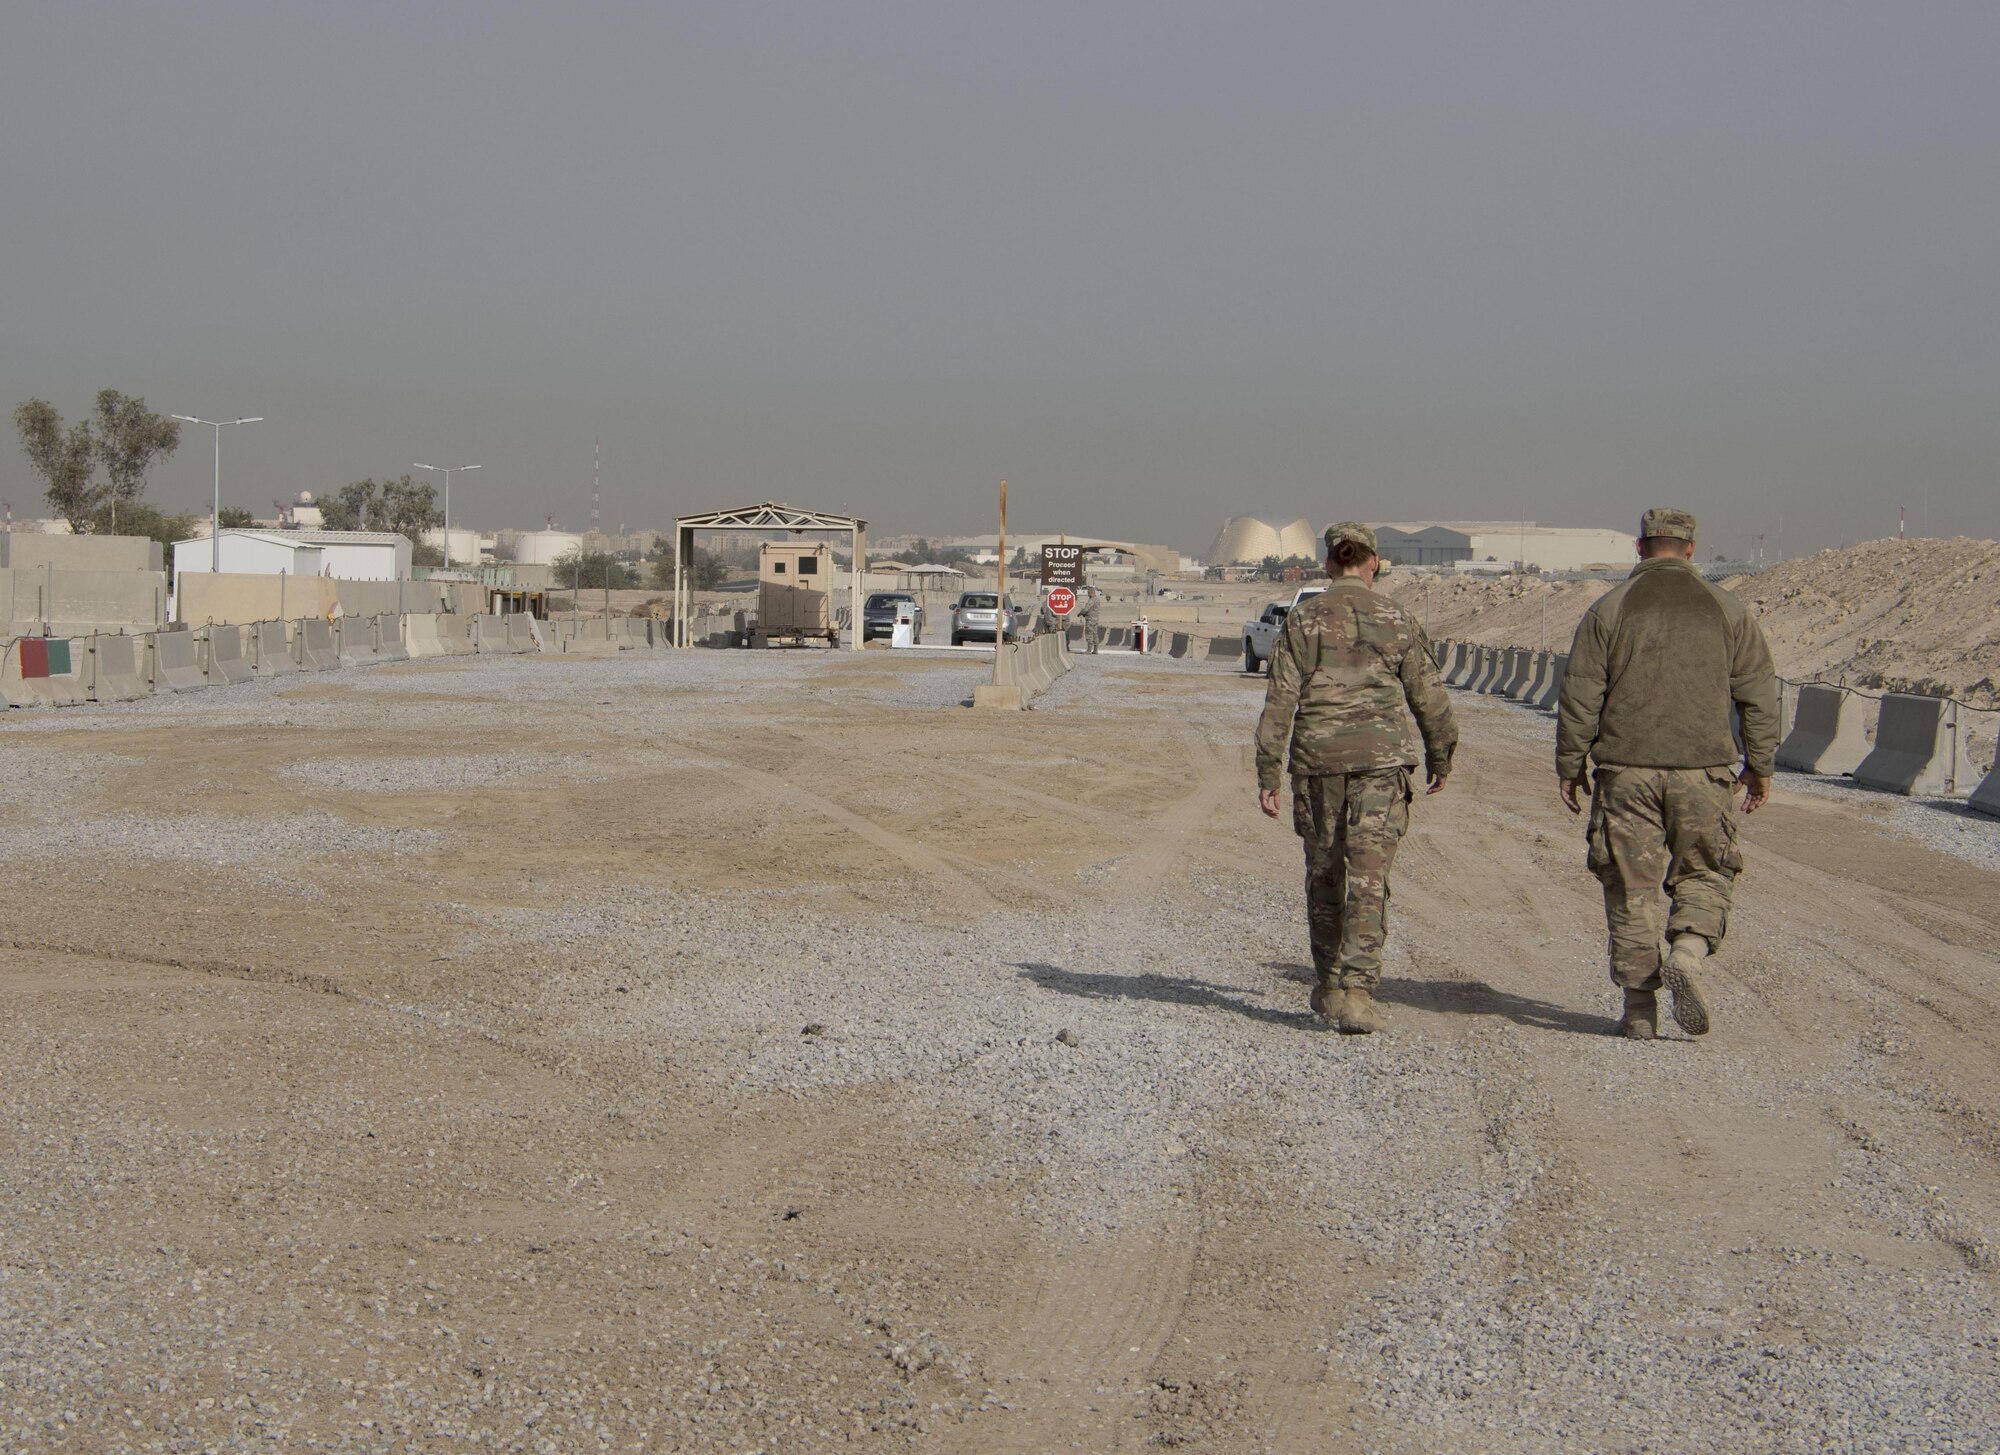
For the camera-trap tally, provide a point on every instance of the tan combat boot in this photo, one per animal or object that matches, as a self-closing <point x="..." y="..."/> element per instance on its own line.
<point x="1690" y="1010"/>
<point x="1641" y="1021"/>
<point x="1326" y="1001"/>
<point x="1359" y="1015"/>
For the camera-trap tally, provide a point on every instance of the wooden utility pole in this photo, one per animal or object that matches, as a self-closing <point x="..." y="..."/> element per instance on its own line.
<point x="1000" y="599"/>
<point x="1001" y="692"/>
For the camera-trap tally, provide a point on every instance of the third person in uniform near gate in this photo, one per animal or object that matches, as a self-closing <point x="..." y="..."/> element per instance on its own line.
<point x="1347" y="663"/>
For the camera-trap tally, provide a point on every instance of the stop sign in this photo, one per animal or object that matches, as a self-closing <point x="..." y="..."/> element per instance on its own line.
<point x="1062" y="601"/>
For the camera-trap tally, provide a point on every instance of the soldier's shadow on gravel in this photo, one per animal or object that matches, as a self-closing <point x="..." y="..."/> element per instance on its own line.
<point x="1469" y="997"/>
<point x="1168" y="989"/>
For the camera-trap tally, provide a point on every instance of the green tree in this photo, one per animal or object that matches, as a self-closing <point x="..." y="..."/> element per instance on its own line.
<point x="142" y="518"/>
<point x="705" y="572"/>
<point x="65" y="459"/>
<point x="593" y="568"/>
<point x="406" y="506"/>
<point x="122" y="435"/>
<point x="129" y="438"/>
<point x="235" y="517"/>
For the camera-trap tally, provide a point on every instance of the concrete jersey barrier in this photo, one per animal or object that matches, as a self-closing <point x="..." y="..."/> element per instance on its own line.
<point x="1986" y="797"/>
<point x="312" y="645"/>
<point x="1524" y="672"/>
<point x="270" y="653"/>
<point x="389" y="639"/>
<point x="1486" y="665"/>
<point x="175" y="663"/>
<point x="1538" y="679"/>
<point x="114" y="670"/>
<point x="420" y="634"/>
<point x="1916" y="748"/>
<point x="520" y="629"/>
<point x="43" y="672"/>
<point x="354" y="640"/>
<point x="1461" y="662"/>
<point x="1550" y="696"/>
<point x="492" y="634"/>
<point x="454" y="630"/>
<point x="224" y="656"/>
<point x="1829" y="734"/>
<point x="1033" y="666"/>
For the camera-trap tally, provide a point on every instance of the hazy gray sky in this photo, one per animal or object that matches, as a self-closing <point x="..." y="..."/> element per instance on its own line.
<point x="1154" y="263"/>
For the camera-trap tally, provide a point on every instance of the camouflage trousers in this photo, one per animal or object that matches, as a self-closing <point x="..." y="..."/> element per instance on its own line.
<point x="1663" y="845"/>
<point x="1090" y="634"/>
<point x="1351" y="824"/>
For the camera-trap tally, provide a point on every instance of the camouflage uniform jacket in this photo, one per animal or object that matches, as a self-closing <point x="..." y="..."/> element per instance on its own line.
<point x="1655" y="667"/>
<point x="1341" y="671"/>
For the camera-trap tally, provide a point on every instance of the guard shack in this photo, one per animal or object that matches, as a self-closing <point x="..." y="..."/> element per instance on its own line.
<point x="794" y="601"/>
<point x="769" y="516"/>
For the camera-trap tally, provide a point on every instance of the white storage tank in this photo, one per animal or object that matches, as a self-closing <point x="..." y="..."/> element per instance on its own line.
<point x="464" y="544"/>
<point x="545" y="547"/>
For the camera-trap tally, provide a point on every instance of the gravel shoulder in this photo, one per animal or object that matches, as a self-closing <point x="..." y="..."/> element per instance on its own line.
<point x="759" y="1051"/>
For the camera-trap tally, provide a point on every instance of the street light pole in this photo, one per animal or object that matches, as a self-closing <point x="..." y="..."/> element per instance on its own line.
<point x="446" y="470"/>
<point x="215" y="517"/>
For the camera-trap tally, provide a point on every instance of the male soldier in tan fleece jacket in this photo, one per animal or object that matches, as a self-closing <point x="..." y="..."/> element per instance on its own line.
<point x="1655" y="667"/>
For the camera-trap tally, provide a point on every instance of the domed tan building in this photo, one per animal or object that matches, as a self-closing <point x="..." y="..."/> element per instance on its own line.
<point x="1245" y="540"/>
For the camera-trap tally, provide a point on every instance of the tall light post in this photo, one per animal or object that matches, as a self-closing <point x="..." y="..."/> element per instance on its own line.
<point x="215" y="518"/>
<point x="446" y="470"/>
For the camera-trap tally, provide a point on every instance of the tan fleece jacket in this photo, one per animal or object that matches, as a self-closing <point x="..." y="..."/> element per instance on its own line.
<point x="1655" y="667"/>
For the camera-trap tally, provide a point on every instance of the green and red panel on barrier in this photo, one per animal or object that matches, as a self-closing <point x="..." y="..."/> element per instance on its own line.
<point x="45" y="657"/>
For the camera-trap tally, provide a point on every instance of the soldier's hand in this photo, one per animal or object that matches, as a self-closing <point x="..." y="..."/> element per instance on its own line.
<point x="1433" y="783"/>
<point x="1569" y="788"/>
<point x="1756" y="788"/>
<point x="1267" y="799"/>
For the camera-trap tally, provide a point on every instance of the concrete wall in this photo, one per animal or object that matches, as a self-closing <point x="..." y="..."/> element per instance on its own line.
<point x="239" y="598"/>
<point x="81" y="601"/>
<point x="28" y="551"/>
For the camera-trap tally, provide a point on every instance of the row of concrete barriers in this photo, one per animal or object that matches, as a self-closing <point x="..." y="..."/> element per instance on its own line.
<point x="1173" y="644"/>
<point x="1919" y="747"/>
<point x="1519" y="674"/>
<point x="41" y="671"/>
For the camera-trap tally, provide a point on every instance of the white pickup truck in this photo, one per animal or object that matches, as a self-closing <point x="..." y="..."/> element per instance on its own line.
<point x="1259" y="635"/>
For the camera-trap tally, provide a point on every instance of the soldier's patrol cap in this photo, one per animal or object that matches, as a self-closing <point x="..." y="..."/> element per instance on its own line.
<point x="1675" y="525"/>
<point x="1350" y="530"/>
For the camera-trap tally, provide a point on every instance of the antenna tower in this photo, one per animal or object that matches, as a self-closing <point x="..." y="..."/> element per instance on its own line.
<point x="596" y="494"/>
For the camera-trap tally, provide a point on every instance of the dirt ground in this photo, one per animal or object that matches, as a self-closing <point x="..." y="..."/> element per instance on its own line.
<point x="732" y="1051"/>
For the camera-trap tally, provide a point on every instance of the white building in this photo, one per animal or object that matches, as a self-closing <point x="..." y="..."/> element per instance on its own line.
<point x="361" y="555"/>
<point x="249" y="553"/>
<point x="349" y="555"/>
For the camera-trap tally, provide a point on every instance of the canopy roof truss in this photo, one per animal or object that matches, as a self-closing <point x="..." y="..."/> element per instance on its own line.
<point x="768" y="516"/>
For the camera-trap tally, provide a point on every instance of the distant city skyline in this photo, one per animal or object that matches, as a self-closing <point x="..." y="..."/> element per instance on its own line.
<point x="1154" y="265"/>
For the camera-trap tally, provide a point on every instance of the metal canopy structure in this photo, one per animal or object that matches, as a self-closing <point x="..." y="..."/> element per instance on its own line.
<point x="770" y="516"/>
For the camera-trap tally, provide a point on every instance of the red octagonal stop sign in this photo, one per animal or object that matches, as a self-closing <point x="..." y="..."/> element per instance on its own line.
<point x="1062" y="600"/>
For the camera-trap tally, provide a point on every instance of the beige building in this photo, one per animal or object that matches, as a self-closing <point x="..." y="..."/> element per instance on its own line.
<point x="1510" y="544"/>
<point x="1245" y="540"/>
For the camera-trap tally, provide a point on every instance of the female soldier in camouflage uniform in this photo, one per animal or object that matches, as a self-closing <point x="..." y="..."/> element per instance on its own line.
<point x="1341" y="672"/>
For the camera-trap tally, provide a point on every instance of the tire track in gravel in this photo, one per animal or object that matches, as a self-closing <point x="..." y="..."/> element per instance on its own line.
<point x="967" y="890"/>
<point x="1085" y="1332"/>
<point x="1171" y="836"/>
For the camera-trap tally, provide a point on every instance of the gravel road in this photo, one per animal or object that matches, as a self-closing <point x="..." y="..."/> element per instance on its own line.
<point x="758" y="1051"/>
